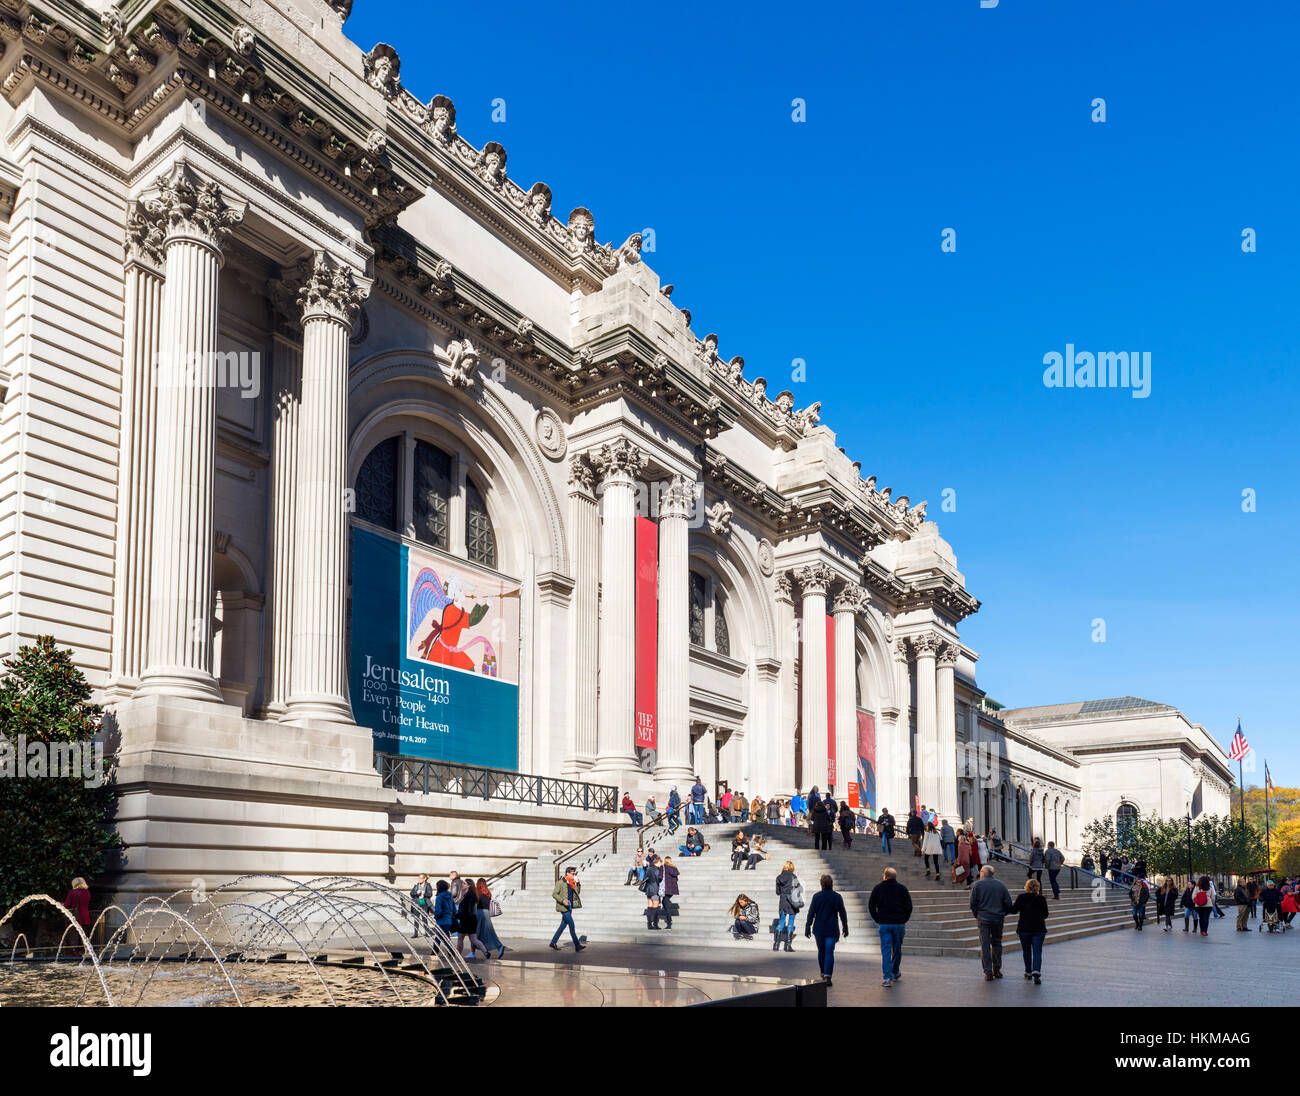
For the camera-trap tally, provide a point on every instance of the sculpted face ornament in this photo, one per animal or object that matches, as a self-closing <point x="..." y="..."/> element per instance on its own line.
<point x="582" y="230"/>
<point x="244" y="40"/>
<point x="539" y="203"/>
<point x="492" y="164"/>
<point x="382" y="69"/>
<point x="442" y="119"/>
<point x="784" y="403"/>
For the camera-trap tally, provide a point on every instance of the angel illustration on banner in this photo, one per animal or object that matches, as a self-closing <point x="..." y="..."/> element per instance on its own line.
<point x="443" y="606"/>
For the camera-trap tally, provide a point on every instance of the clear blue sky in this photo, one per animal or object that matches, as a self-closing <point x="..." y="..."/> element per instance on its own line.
<point x="821" y="241"/>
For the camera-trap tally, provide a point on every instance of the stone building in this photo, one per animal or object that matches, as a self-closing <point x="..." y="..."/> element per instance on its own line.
<point x="290" y="361"/>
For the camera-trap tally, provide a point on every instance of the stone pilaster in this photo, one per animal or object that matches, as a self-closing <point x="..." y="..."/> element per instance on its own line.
<point x="814" y="581"/>
<point x="674" y="700"/>
<point x="787" y="715"/>
<point x="135" y="489"/>
<point x="846" y="605"/>
<point x="946" y="734"/>
<point x="925" y="647"/>
<point x="329" y="299"/>
<point x="617" y="464"/>
<point x="196" y="219"/>
<point x="585" y="517"/>
<point x="894" y="743"/>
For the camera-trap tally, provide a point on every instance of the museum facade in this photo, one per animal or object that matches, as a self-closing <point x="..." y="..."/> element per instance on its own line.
<point x="328" y="439"/>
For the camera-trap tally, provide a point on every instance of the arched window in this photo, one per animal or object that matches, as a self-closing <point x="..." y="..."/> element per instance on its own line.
<point x="431" y="512"/>
<point x="721" y="637"/>
<point x="1002" y="809"/>
<point x="1125" y="820"/>
<point x="699" y="606"/>
<point x="708" y="614"/>
<point x="377" y="486"/>
<point x="480" y="541"/>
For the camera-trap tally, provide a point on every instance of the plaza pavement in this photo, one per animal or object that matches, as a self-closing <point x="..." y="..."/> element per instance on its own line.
<point x="1144" y="969"/>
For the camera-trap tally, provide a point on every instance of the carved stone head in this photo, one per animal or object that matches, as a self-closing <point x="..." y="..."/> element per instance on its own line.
<point x="492" y="164"/>
<point x="442" y="119"/>
<point x="582" y="228"/>
<point x="382" y="69"/>
<point x="539" y="203"/>
<point x="785" y="402"/>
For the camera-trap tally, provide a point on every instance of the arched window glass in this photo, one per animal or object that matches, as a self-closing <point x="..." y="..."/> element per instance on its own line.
<point x="377" y="486"/>
<point x="431" y="505"/>
<point x="1125" y="820"/>
<point x="1002" y="809"/>
<point x="721" y="637"/>
<point x="698" y="594"/>
<point x="480" y="541"/>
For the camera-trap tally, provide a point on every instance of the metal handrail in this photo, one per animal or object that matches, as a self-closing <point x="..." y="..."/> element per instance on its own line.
<point x="412" y="774"/>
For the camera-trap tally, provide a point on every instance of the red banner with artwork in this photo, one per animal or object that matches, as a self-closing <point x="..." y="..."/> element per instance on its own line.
<point x="647" y="632"/>
<point x="830" y="701"/>
<point x="867" y="762"/>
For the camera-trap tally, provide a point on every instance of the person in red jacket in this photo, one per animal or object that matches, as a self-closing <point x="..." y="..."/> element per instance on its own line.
<point x="1290" y="907"/>
<point x="78" y="901"/>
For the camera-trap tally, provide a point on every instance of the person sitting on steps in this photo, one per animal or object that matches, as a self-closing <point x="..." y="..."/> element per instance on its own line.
<point x="744" y="912"/>
<point x="739" y="850"/>
<point x="756" y="854"/>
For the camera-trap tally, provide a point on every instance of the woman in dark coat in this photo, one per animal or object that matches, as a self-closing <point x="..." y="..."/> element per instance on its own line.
<point x="848" y="822"/>
<point x="1031" y="928"/>
<point x="739" y="850"/>
<point x="485" y="931"/>
<point x="826" y="914"/>
<point x="1167" y="903"/>
<point x="654" y="873"/>
<point x="819" y="823"/>
<point x="786" y="908"/>
<point x="467" y="924"/>
<point x="669" y="888"/>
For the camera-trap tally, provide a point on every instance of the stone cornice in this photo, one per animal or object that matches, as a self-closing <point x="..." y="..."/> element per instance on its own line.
<point x="940" y="593"/>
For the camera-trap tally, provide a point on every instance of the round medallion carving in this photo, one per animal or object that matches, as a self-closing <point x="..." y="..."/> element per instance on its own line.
<point x="766" y="557"/>
<point x="361" y="327"/>
<point x="551" y="438"/>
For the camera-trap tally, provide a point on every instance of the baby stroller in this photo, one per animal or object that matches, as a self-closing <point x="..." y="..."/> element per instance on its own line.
<point x="1270" y="919"/>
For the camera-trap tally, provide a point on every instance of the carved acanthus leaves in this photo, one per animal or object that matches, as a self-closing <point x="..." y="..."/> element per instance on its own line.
<point x="850" y="598"/>
<point x="816" y="578"/>
<point x="329" y="291"/>
<point x="145" y="233"/>
<point x="925" y="643"/>
<point x="720" y="515"/>
<point x="947" y="655"/>
<point x="785" y="587"/>
<point x="582" y="474"/>
<point x="191" y="207"/>
<point x="618" y="460"/>
<point x="462" y="362"/>
<point x="678" y="498"/>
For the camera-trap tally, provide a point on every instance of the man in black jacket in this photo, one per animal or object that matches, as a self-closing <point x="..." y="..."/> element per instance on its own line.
<point x="890" y="907"/>
<point x="914" y="831"/>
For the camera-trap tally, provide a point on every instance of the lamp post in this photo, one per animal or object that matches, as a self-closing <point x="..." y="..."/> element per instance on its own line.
<point x="1188" y="820"/>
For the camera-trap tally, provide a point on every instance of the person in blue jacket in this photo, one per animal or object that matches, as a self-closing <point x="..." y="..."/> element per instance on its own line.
<point x="674" y="804"/>
<point x="444" y="909"/>
<point x="826" y="914"/>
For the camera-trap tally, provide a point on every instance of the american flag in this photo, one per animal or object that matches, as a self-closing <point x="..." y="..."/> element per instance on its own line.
<point x="1268" y="780"/>
<point x="1240" y="747"/>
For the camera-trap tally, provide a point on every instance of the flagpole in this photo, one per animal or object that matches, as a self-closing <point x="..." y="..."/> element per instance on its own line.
<point x="1268" y="839"/>
<point x="1241" y="789"/>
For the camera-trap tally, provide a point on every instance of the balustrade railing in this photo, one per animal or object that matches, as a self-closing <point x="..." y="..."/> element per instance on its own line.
<point x="415" y="774"/>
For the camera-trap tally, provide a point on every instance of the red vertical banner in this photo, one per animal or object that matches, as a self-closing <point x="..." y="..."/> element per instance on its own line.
<point x="647" y="632"/>
<point x="867" y="761"/>
<point x="830" y="700"/>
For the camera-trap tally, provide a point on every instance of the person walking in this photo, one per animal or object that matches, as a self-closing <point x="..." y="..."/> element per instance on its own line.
<point x="1203" y="902"/>
<point x="826" y="913"/>
<point x="789" y="894"/>
<point x="568" y="897"/>
<point x="931" y="850"/>
<point x="848" y="823"/>
<point x="744" y="914"/>
<point x="1031" y="928"/>
<point x="1087" y="863"/>
<point x="669" y="888"/>
<point x="885" y="825"/>
<point x="890" y="907"/>
<point x="653" y="875"/>
<point x="467" y="923"/>
<point x="948" y="840"/>
<point x="1167" y="903"/>
<point x="1138" y="897"/>
<point x="487" y="933"/>
<point x="1188" y="904"/>
<point x="995" y="842"/>
<point x="1242" y="897"/>
<point x="698" y="796"/>
<point x="421" y="904"/>
<point x="757" y="809"/>
<point x="990" y="902"/>
<point x="1036" y="861"/>
<point x="1103" y="863"/>
<point x="981" y="851"/>
<point x="774" y="811"/>
<point x="457" y="885"/>
<point x="820" y="822"/>
<point x="674" y="806"/>
<point x="915" y="831"/>
<point x="1214" y="900"/>
<point x="444" y="909"/>
<point x="1053" y="861"/>
<point x="1252" y="892"/>
<point x="798" y="808"/>
<point x="78" y="903"/>
<point x="964" y="865"/>
<point x="724" y="804"/>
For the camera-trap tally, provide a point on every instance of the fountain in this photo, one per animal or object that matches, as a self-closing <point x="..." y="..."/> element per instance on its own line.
<point x="257" y="940"/>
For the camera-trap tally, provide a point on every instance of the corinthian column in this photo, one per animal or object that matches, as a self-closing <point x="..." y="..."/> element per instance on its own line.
<point x="585" y="518"/>
<point x="618" y="464"/>
<point x="946" y="753"/>
<point x="847" y="603"/>
<point x="675" y="507"/>
<point x="197" y="219"/>
<point x="329" y="298"/>
<point x="927" y="743"/>
<point x="814" y="581"/>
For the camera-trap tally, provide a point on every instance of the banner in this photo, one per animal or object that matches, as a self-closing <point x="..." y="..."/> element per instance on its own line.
<point x="434" y="654"/>
<point x="867" y="762"/>
<point x="830" y="701"/>
<point x="647" y="641"/>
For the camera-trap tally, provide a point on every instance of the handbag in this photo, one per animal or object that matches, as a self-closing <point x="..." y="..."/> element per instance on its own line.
<point x="958" y="870"/>
<point x="494" y="908"/>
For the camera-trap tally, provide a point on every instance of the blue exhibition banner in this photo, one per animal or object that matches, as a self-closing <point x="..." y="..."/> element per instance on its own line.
<point x="435" y="654"/>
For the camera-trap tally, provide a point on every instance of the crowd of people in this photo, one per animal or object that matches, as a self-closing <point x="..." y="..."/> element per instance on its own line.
<point x="460" y="907"/>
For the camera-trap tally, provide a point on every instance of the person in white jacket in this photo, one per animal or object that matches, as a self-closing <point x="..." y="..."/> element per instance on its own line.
<point x="932" y="850"/>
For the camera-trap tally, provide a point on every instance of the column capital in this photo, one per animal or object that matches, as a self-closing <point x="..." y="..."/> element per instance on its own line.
<point x="785" y="587"/>
<point x="947" y="655"/>
<point x="678" y="498"/>
<point x="618" y="461"/>
<point x="901" y="651"/>
<point x="193" y="208"/>
<point x="850" y="598"/>
<point x="925" y="644"/>
<point x="582" y="474"/>
<point x="816" y="578"/>
<point x="145" y="233"/>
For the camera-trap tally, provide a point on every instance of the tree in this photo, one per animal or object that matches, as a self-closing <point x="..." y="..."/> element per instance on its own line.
<point x="1212" y="844"/>
<point x="1099" y="836"/>
<point x="55" y="827"/>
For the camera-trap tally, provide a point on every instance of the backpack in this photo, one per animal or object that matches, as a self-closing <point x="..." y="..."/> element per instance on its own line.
<point x="796" y="894"/>
<point x="1202" y="897"/>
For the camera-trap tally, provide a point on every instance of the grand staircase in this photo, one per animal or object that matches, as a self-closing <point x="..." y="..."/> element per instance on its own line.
<point x="941" y="923"/>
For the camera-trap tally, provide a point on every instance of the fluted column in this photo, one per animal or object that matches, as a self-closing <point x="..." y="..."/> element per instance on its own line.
<point x="141" y="331"/>
<point x="927" y="744"/>
<point x="585" y="518"/>
<point x="814" y="581"/>
<point x="946" y="737"/>
<point x="618" y="464"/>
<point x="787" y="652"/>
<point x="197" y="218"/>
<point x="674" y="676"/>
<point x="329" y="299"/>
<point x="846" y="604"/>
